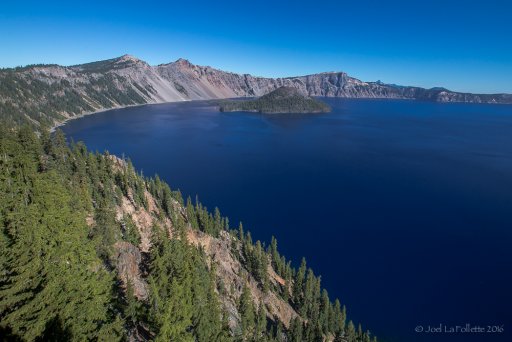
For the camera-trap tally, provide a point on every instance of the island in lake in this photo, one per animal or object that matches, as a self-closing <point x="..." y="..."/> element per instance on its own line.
<point x="281" y="100"/>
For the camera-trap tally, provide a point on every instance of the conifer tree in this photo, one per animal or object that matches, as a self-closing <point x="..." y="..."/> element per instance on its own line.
<point x="175" y="318"/>
<point x="299" y="283"/>
<point x="325" y="307"/>
<point x="350" y="332"/>
<point x="247" y="314"/>
<point x="132" y="308"/>
<point x="295" y="331"/>
<point x="261" y="322"/>
<point x="207" y="316"/>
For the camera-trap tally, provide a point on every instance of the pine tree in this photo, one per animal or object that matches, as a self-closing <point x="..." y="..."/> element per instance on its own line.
<point x="247" y="315"/>
<point x="350" y="332"/>
<point x="309" y="293"/>
<point x="299" y="283"/>
<point x="170" y="283"/>
<point x="325" y="307"/>
<point x="295" y="331"/>
<point x="176" y="317"/>
<point x="241" y="235"/>
<point x="275" y="257"/>
<point x="207" y="315"/>
<point x="261" y="322"/>
<point x="132" y="308"/>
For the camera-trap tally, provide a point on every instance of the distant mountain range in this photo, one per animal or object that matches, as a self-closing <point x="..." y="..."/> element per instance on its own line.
<point x="51" y="94"/>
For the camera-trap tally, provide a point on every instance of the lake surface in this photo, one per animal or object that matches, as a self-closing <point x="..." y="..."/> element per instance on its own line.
<point x="404" y="208"/>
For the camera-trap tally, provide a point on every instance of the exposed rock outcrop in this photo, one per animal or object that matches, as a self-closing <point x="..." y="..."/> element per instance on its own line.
<point x="128" y="262"/>
<point x="231" y="272"/>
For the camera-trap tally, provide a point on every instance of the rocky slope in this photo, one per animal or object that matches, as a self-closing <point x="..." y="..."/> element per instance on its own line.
<point x="51" y="94"/>
<point x="224" y="254"/>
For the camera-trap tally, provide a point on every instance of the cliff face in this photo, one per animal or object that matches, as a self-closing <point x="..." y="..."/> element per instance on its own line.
<point x="51" y="94"/>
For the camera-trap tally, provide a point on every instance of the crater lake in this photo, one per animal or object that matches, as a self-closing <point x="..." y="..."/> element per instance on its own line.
<point x="403" y="207"/>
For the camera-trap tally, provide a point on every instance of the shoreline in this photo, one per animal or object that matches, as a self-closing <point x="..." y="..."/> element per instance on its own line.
<point x="79" y="116"/>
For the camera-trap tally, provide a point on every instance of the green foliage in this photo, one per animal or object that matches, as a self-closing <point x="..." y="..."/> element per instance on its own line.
<point x="170" y="309"/>
<point x="200" y="218"/>
<point x="53" y="281"/>
<point x="281" y="100"/>
<point x="133" y="309"/>
<point x="130" y="231"/>
<point x="256" y="261"/>
<point x="247" y="315"/>
<point x="183" y="302"/>
<point x="57" y="275"/>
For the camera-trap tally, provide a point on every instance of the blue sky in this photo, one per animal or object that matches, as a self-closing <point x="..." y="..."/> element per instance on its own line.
<point x="461" y="45"/>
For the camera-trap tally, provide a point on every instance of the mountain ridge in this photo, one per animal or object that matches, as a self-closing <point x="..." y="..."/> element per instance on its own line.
<point x="51" y="94"/>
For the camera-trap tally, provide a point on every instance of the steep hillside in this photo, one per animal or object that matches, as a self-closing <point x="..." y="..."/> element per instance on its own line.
<point x="92" y="250"/>
<point x="51" y="94"/>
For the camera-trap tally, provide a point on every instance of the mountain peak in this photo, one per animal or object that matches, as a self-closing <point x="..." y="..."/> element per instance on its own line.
<point x="182" y="62"/>
<point x="129" y="58"/>
<point x="125" y="61"/>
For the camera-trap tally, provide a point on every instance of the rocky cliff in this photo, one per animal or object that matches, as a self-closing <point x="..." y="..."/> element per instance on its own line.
<point x="52" y="94"/>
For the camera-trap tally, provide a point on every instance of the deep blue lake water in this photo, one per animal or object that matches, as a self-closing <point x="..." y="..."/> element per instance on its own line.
<point x="404" y="208"/>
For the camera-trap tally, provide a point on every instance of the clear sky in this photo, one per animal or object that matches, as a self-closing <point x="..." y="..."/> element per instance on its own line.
<point x="461" y="45"/>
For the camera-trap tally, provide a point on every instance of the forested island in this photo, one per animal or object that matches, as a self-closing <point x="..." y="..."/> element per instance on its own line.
<point x="281" y="100"/>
